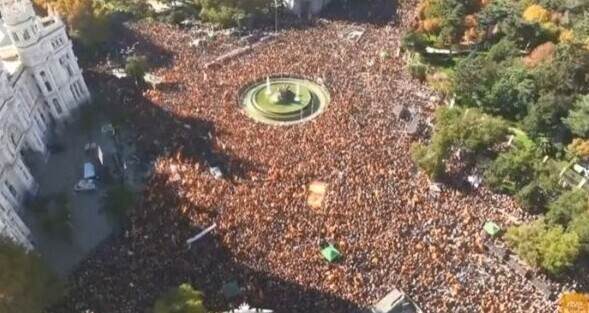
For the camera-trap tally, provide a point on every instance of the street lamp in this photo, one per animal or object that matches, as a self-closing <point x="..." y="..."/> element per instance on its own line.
<point x="276" y="16"/>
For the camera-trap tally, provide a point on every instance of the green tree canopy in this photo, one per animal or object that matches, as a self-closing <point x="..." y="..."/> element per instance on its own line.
<point x="545" y="245"/>
<point x="580" y="226"/>
<point x="578" y="119"/>
<point x="136" y="67"/>
<point x="506" y="88"/>
<point x="568" y="206"/>
<point x="88" y="21"/>
<point x="469" y="129"/>
<point x="26" y="285"/>
<point x="183" y="299"/>
<point x="231" y="12"/>
<point x="544" y="116"/>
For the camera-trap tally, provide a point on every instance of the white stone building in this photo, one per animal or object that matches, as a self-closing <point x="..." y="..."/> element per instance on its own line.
<point x="40" y="85"/>
<point x="306" y="8"/>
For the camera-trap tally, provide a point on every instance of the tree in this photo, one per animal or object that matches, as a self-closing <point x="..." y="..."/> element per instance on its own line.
<point x="580" y="226"/>
<point x="469" y="129"/>
<point x="183" y="299"/>
<point x="578" y="119"/>
<point x="505" y="88"/>
<point x="547" y="246"/>
<point x="580" y="147"/>
<point x="544" y="116"/>
<point x="559" y="249"/>
<point x="136" y="67"/>
<point x="511" y="170"/>
<point x="88" y="21"/>
<point x="567" y="207"/>
<point x="26" y="285"/>
<point x="504" y="50"/>
<point x="230" y="12"/>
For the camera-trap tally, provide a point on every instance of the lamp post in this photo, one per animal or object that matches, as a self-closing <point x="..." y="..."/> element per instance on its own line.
<point x="276" y="16"/>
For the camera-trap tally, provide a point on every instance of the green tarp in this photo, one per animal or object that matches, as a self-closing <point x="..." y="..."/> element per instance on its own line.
<point x="491" y="228"/>
<point x="330" y="253"/>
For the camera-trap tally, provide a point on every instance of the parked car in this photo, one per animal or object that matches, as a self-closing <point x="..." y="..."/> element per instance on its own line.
<point x="85" y="185"/>
<point x="396" y="301"/>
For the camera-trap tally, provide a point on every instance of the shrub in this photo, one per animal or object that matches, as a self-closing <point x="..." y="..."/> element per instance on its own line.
<point x="578" y="119"/>
<point x="183" y="299"/>
<point x="568" y="206"/>
<point x="542" y="245"/>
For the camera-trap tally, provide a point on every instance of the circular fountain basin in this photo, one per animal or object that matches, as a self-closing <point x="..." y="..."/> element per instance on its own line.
<point x="263" y="102"/>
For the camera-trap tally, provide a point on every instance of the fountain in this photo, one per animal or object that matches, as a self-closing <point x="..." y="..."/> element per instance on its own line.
<point x="273" y="101"/>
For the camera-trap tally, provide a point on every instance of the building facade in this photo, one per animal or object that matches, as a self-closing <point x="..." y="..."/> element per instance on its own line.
<point x="41" y="85"/>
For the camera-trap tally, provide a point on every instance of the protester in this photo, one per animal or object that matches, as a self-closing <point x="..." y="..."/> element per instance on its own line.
<point x="378" y="210"/>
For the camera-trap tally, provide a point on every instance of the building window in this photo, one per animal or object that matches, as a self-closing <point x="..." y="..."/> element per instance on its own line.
<point x="26" y="35"/>
<point x="11" y="189"/>
<point x="74" y="93"/>
<point x="46" y="81"/>
<point x="57" y="106"/>
<point x="79" y="87"/>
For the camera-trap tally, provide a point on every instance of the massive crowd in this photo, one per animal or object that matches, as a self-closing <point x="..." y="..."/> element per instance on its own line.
<point x="379" y="210"/>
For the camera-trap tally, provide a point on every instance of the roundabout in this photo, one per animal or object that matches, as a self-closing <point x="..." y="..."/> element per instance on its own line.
<point x="283" y="100"/>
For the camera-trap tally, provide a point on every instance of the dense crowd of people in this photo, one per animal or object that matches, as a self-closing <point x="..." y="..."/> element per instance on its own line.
<point x="379" y="210"/>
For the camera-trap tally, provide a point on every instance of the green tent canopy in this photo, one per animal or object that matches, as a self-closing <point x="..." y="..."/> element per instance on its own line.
<point x="491" y="228"/>
<point x="330" y="253"/>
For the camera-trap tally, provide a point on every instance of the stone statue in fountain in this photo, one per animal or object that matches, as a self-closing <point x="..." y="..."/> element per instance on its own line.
<point x="285" y="95"/>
